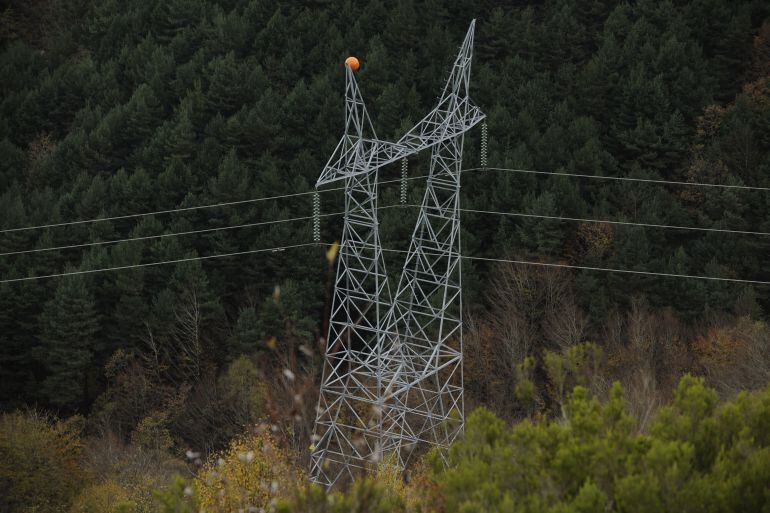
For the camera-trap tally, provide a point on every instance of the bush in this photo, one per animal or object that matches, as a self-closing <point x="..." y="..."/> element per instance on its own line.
<point x="107" y="497"/>
<point x="177" y="498"/>
<point x="251" y="473"/>
<point x="699" y="456"/>
<point x="134" y="469"/>
<point x="39" y="463"/>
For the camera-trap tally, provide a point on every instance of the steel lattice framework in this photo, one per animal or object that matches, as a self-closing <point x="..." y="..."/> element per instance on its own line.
<point x="393" y="371"/>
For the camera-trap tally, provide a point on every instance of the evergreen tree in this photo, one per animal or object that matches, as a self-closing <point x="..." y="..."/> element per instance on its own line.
<point x="134" y="106"/>
<point x="68" y="325"/>
<point x="246" y="337"/>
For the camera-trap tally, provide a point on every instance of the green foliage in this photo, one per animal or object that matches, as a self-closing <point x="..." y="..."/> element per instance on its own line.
<point x="244" y="389"/>
<point x="68" y="336"/>
<point x="698" y="456"/>
<point x="116" y="107"/>
<point x="524" y="391"/>
<point x="134" y="107"/>
<point x="577" y="365"/>
<point x="152" y="432"/>
<point x="107" y="497"/>
<point x="177" y="498"/>
<point x="39" y="462"/>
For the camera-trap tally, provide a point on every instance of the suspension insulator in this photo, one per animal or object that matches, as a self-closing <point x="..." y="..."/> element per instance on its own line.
<point x="316" y="217"/>
<point x="484" y="144"/>
<point x="404" y="172"/>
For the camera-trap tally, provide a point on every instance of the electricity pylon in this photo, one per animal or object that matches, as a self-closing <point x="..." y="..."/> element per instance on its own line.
<point x="366" y="406"/>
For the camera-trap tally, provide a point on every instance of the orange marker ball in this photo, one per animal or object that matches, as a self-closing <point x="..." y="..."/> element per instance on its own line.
<point x="353" y="63"/>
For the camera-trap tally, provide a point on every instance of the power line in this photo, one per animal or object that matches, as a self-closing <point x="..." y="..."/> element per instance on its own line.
<point x="619" y="178"/>
<point x="626" y="271"/>
<point x="606" y="221"/>
<point x="390" y="250"/>
<point x="176" y="234"/>
<point x="186" y="209"/>
<point x="603" y="269"/>
<point x="283" y="196"/>
<point x="164" y="262"/>
<point x="158" y="212"/>
<point x="280" y="248"/>
<point x="304" y="218"/>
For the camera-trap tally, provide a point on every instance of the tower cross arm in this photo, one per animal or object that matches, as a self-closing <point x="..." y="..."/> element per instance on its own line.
<point x="354" y="156"/>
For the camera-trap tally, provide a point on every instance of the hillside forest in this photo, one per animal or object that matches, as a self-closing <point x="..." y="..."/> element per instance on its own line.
<point x="154" y="375"/>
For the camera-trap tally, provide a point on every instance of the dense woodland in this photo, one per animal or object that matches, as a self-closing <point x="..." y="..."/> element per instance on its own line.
<point x="113" y="382"/>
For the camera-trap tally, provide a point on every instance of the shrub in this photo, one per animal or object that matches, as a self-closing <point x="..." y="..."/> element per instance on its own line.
<point x="699" y="456"/>
<point x="39" y="462"/>
<point x="250" y="473"/>
<point x="136" y="470"/>
<point x="107" y="497"/>
<point x="177" y="498"/>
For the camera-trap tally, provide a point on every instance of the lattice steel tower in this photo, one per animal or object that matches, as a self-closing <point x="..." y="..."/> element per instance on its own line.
<point x="393" y="371"/>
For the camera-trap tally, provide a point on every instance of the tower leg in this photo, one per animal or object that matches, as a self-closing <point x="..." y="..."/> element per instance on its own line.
<point x="349" y="415"/>
<point x="427" y="312"/>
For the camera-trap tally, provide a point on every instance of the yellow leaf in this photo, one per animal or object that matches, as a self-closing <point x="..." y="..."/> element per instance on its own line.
<point x="331" y="253"/>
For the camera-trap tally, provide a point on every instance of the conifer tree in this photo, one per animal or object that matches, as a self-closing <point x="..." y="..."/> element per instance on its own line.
<point x="68" y="328"/>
